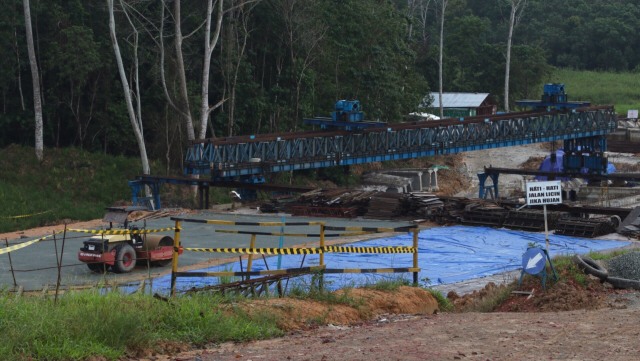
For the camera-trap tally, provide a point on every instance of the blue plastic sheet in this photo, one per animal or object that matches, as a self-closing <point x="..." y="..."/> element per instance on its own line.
<point x="446" y="255"/>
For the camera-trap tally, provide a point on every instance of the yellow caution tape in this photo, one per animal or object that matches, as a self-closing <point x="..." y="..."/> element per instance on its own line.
<point x="293" y="271"/>
<point x="26" y="215"/>
<point x="371" y="270"/>
<point x="121" y="231"/>
<point x="21" y="245"/>
<point x="372" y="229"/>
<point x="289" y="271"/>
<point x="289" y="251"/>
<point x="308" y="235"/>
<point x="339" y="249"/>
<point x="240" y="223"/>
<point x="258" y="250"/>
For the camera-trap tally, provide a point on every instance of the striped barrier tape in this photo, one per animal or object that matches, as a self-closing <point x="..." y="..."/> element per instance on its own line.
<point x="297" y="271"/>
<point x="371" y="229"/>
<point x="121" y="231"/>
<point x="234" y="223"/>
<point x="22" y="245"/>
<point x="308" y="235"/>
<point x="26" y="215"/>
<point x="341" y="249"/>
<point x="251" y="273"/>
<point x="290" y="251"/>
<point x="371" y="270"/>
<point x="272" y="251"/>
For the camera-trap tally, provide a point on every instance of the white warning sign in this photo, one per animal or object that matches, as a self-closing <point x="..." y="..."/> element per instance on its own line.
<point x="541" y="193"/>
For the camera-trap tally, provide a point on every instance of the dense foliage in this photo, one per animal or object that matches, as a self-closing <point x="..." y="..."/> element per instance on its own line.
<point x="278" y="61"/>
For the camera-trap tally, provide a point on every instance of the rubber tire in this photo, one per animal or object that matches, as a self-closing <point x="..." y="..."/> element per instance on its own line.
<point x="125" y="258"/>
<point x="97" y="267"/>
<point x="624" y="283"/>
<point x="591" y="267"/>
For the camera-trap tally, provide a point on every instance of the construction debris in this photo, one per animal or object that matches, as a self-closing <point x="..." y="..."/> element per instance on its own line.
<point x="422" y="204"/>
<point x="385" y="206"/>
<point x="630" y="226"/>
<point x="449" y="210"/>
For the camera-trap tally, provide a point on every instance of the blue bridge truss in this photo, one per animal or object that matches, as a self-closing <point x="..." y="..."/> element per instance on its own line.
<point x="242" y="156"/>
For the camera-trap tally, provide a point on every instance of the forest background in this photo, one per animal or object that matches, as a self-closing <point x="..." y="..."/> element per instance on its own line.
<point x="274" y="62"/>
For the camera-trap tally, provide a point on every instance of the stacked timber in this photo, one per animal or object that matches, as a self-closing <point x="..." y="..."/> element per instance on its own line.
<point x="484" y="213"/>
<point x="332" y="202"/>
<point x="422" y="204"/>
<point x="383" y="205"/>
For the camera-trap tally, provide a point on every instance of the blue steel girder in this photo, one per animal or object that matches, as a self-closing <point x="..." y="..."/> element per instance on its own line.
<point x="393" y="143"/>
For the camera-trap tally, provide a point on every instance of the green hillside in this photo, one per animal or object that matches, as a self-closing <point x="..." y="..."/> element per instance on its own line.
<point x="70" y="184"/>
<point x="601" y="88"/>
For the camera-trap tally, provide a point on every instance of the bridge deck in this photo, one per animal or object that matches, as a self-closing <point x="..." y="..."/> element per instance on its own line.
<point x="259" y="154"/>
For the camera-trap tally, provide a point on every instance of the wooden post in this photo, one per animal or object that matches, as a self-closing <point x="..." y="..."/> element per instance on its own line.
<point x="322" y="244"/>
<point x="252" y="245"/>
<point x="174" y="260"/>
<point x="321" y="285"/>
<point x="64" y="237"/>
<point x="415" y="255"/>
<point x="6" y="241"/>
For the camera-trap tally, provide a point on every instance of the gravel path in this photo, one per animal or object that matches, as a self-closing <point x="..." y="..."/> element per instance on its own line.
<point x="625" y="266"/>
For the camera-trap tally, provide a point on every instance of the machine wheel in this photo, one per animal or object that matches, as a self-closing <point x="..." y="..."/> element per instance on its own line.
<point x="97" y="267"/>
<point x="165" y="241"/>
<point x="125" y="258"/>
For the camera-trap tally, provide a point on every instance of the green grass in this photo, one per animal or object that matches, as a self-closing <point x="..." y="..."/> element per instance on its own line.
<point x="388" y="285"/>
<point x="68" y="184"/>
<point x="316" y="290"/>
<point x="597" y="256"/>
<point x="86" y="324"/>
<point x="601" y="88"/>
<point x="443" y="302"/>
<point x="72" y="185"/>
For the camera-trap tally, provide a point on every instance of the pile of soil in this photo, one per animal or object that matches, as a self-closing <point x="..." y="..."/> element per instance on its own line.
<point x="365" y="304"/>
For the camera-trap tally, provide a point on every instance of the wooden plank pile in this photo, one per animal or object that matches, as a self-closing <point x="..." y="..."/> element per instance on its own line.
<point x="332" y="202"/>
<point x="384" y="205"/>
<point x="422" y="204"/>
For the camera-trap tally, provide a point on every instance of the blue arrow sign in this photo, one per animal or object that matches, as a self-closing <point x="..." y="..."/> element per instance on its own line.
<point x="533" y="261"/>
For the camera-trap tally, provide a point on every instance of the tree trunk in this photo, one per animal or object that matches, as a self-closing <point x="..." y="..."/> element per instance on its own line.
<point x="182" y="78"/>
<point x="444" y="7"/>
<point x="508" y="62"/>
<point x="35" y="77"/>
<point x="136" y="122"/>
<point x="209" y="45"/>
<point x="513" y="21"/>
<point x="15" y="34"/>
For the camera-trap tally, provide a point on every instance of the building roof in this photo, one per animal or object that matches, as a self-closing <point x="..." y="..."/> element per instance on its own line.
<point x="459" y="100"/>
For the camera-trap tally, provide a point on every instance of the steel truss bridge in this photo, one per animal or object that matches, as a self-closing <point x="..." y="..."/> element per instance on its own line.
<point x="247" y="156"/>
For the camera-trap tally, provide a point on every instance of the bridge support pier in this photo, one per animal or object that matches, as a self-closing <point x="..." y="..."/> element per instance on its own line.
<point x="482" y="177"/>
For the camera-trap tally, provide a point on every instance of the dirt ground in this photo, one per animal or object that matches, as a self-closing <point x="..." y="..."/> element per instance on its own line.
<point x="402" y="326"/>
<point x="574" y="335"/>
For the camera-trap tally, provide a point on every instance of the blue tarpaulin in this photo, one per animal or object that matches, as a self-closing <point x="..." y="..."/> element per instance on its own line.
<point x="446" y="255"/>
